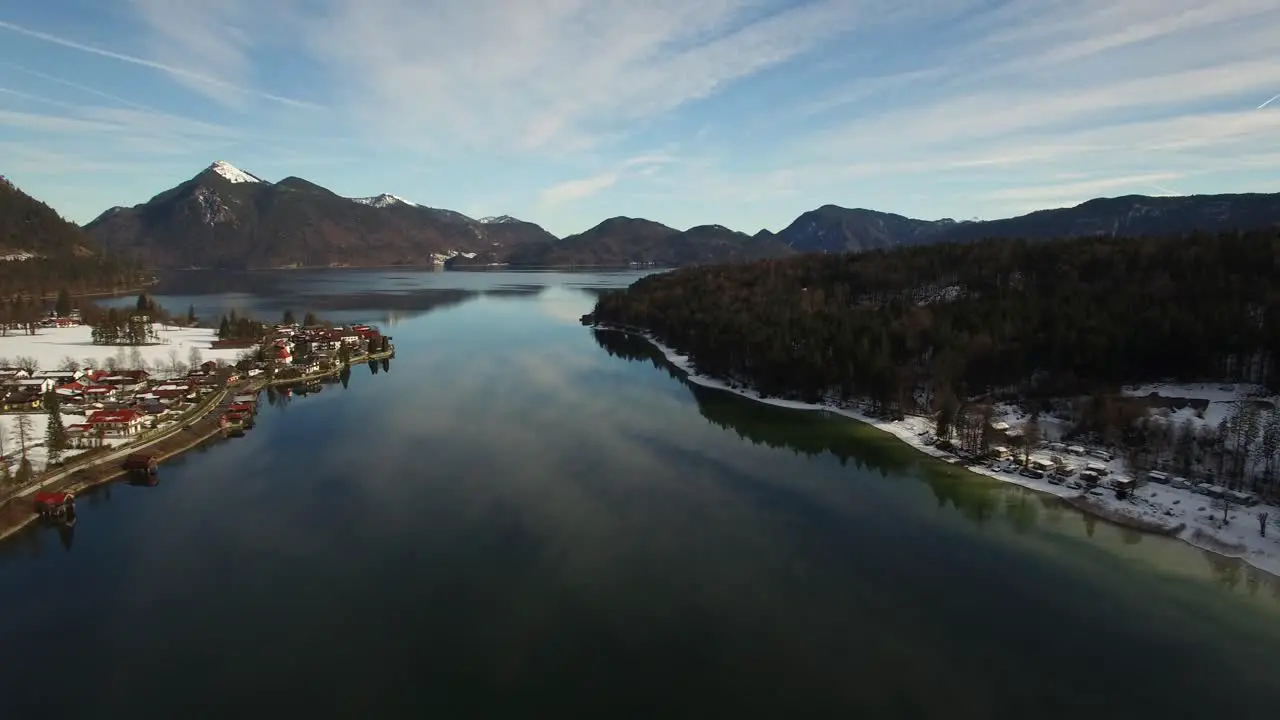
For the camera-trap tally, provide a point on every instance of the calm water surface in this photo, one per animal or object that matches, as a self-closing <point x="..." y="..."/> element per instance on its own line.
<point x="517" y="516"/>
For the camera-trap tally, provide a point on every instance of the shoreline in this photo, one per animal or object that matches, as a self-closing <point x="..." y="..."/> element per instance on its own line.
<point x="93" y="474"/>
<point x="1195" y="537"/>
<point x="198" y="437"/>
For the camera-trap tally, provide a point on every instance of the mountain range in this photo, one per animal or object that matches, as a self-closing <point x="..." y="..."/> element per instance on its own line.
<point x="225" y="217"/>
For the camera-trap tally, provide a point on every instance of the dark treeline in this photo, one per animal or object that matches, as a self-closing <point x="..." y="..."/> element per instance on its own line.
<point x="908" y="327"/>
<point x="42" y="277"/>
<point x="239" y="327"/>
<point x="20" y="313"/>
<point x="125" y="326"/>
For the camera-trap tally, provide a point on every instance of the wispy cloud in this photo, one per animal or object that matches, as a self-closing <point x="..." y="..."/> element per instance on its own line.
<point x="77" y="86"/>
<point x="578" y="189"/>
<point x="582" y="188"/>
<point x="1084" y="189"/>
<point x="542" y="73"/>
<point x="761" y="108"/>
<point x="188" y="75"/>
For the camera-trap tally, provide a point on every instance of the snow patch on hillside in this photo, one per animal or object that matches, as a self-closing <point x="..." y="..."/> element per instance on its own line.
<point x="1203" y="404"/>
<point x="233" y="174"/>
<point x="498" y="219"/>
<point x="383" y="200"/>
<point x="439" y="258"/>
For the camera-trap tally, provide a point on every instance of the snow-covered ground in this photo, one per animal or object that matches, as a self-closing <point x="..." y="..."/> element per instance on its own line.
<point x="1150" y="504"/>
<point x="49" y="347"/>
<point x="1222" y="399"/>
<point x="36" y="452"/>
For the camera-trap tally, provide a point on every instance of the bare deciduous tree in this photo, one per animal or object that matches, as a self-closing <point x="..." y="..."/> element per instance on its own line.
<point x="22" y="427"/>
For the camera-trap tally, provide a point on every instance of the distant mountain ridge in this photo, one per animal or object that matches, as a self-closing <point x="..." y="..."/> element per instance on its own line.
<point x="227" y="217"/>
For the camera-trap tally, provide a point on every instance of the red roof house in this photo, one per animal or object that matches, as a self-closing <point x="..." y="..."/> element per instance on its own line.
<point x="117" y="422"/>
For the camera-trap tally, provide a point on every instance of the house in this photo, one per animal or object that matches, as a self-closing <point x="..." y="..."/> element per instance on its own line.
<point x="121" y="382"/>
<point x="308" y="367"/>
<point x="71" y="391"/>
<point x="152" y="407"/>
<point x="279" y="354"/>
<point x="32" y="386"/>
<point x="120" y="423"/>
<point x="324" y="343"/>
<point x="60" y="376"/>
<point x="79" y="430"/>
<point x="98" y="393"/>
<point x="209" y="366"/>
<point x="16" y="402"/>
<point x="12" y="373"/>
<point x="173" y="396"/>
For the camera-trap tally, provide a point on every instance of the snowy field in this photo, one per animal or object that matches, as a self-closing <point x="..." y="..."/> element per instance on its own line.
<point x="51" y="346"/>
<point x="1156" y="505"/>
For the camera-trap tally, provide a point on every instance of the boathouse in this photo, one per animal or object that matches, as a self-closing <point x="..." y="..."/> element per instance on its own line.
<point x="55" y="505"/>
<point x="142" y="463"/>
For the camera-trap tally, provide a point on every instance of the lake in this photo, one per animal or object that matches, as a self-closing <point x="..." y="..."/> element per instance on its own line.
<point x="518" y="516"/>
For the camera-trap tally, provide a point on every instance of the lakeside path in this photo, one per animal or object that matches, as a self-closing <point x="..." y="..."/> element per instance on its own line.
<point x="1156" y="510"/>
<point x="19" y="513"/>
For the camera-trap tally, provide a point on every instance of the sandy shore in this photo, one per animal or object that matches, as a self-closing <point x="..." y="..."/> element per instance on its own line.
<point x="1155" y="509"/>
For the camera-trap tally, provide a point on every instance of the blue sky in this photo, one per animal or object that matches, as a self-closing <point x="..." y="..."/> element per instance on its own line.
<point x="739" y="112"/>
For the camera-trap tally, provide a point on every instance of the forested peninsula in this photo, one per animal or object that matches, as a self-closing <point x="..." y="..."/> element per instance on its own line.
<point x="917" y="329"/>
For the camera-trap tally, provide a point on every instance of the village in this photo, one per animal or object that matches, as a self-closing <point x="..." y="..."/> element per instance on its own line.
<point x="54" y="407"/>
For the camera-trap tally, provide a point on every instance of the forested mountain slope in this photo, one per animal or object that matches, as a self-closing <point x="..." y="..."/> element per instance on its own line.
<point x="965" y="318"/>
<point x="41" y="253"/>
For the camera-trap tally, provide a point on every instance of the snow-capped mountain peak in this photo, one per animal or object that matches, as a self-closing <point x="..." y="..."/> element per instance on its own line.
<point x="383" y="200"/>
<point x="493" y="219"/>
<point x="233" y="174"/>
